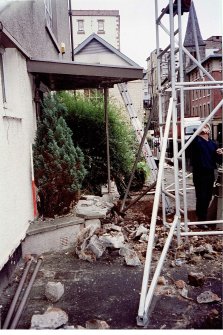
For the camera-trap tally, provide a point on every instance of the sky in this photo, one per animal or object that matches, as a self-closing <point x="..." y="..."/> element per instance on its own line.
<point x="137" y="21"/>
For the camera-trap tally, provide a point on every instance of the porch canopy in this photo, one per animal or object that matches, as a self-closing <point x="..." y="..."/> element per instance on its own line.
<point x="60" y="75"/>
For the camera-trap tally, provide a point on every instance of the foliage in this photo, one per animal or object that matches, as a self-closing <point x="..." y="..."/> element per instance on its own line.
<point x="141" y="174"/>
<point x="86" y="119"/>
<point x="58" y="165"/>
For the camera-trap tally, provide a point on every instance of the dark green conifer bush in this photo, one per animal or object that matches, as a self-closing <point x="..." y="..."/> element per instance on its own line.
<point x="58" y="165"/>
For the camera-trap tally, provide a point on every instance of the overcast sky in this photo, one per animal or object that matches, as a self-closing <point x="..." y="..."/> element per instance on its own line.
<point x="137" y="20"/>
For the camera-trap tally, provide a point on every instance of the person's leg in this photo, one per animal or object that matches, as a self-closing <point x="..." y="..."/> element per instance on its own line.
<point x="203" y="189"/>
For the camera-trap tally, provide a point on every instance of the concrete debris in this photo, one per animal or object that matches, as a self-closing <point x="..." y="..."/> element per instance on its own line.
<point x="53" y="318"/>
<point x="130" y="256"/>
<point x="97" y="324"/>
<point x="96" y="246"/>
<point x="144" y="238"/>
<point x="82" y="242"/>
<point x="207" y="297"/>
<point x="96" y="223"/>
<point x="184" y="293"/>
<point x="111" y="226"/>
<point x="112" y="241"/>
<point x="180" y="284"/>
<point x="180" y="261"/>
<point x="54" y="291"/>
<point x="196" y="279"/>
<point x="209" y="248"/>
<point x="161" y="280"/>
<point x="141" y="230"/>
<point x="93" y="208"/>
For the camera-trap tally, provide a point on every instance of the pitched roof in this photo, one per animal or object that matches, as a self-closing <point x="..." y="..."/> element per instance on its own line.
<point x="189" y="40"/>
<point x="96" y="44"/>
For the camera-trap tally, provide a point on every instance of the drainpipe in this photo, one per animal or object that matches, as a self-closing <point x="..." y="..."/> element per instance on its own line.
<point x="71" y="31"/>
<point x="26" y="295"/>
<point x="16" y="296"/>
<point x="107" y="137"/>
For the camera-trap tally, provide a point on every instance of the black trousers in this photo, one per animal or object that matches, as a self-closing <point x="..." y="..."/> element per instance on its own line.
<point x="203" y="183"/>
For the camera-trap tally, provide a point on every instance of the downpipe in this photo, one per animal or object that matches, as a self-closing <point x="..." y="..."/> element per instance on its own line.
<point x="26" y="295"/>
<point x="16" y="296"/>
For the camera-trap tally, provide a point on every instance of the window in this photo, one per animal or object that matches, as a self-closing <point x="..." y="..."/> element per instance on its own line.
<point x="209" y="92"/>
<point x="48" y="13"/>
<point x="200" y="111"/>
<point x="209" y="109"/>
<point x="51" y="25"/>
<point x="204" y="108"/>
<point x="2" y="75"/>
<point x="101" y="27"/>
<point x="80" y="26"/>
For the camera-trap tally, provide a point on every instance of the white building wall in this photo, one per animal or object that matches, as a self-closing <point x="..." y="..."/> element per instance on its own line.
<point x="136" y="92"/>
<point x="111" y="29"/>
<point x="17" y="129"/>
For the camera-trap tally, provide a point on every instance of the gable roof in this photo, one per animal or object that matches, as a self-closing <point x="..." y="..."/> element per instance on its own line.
<point x="189" y="40"/>
<point x="96" y="44"/>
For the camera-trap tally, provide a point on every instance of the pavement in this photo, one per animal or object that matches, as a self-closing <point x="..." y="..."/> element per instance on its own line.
<point x="109" y="290"/>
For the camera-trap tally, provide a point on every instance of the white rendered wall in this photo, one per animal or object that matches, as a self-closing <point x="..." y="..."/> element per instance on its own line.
<point x="111" y="29"/>
<point x="135" y="90"/>
<point x="17" y="128"/>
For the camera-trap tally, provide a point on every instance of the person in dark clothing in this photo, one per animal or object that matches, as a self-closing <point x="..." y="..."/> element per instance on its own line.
<point x="204" y="158"/>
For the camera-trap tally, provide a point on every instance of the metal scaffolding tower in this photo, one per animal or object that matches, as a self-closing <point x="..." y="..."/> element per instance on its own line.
<point x="177" y="88"/>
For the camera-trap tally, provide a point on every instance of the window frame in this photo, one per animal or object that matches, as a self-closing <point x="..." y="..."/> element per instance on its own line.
<point x="101" y="29"/>
<point x="49" y="23"/>
<point x="80" y="26"/>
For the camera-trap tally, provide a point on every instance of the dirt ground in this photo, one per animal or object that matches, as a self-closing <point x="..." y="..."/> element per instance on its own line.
<point x="109" y="290"/>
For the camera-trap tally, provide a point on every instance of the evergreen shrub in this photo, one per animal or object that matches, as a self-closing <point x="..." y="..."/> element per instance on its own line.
<point x="58" y="165"/>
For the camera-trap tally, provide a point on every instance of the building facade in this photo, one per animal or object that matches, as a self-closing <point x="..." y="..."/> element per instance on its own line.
<point x="105" y="23"/>
<point x="35" y="59"/>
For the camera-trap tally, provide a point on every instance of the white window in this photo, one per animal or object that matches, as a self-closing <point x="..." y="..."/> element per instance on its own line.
<point x="2" y="75"/>
<point x="101" y="26"/>
<point x="48" y="13"/>
<point x="80" y="26"/>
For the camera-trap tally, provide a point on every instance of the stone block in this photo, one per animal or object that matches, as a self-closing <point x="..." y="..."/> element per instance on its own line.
<point x="112" y="241"/>
<point x="96" y="246"/>
<point x="96" y="223"/>
<point x="54" y="291"/>
<point x="53" y="318"/>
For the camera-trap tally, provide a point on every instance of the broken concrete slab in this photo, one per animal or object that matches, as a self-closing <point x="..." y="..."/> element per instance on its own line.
<point x="112" y="241"/>
<point x="131" y="257"/>
<point x="96" y="223"/>
<point x="96" y="246"/>
<point x="93" y="208"/>
<point x="54" y="291"/>
<point x="53" y="318"/>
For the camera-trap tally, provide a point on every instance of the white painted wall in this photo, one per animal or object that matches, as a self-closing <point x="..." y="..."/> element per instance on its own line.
<point x="111" y="29"/>
<point x="136" y="93"/>
<point x="17" y="129"/>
